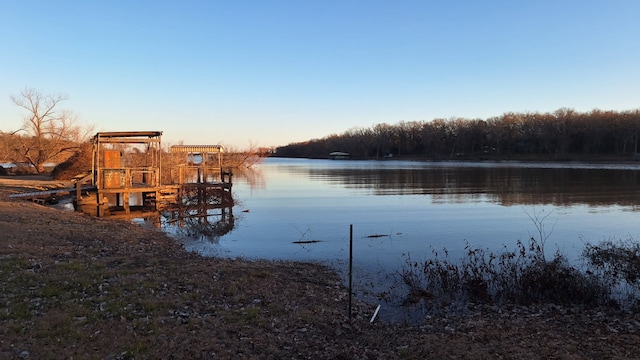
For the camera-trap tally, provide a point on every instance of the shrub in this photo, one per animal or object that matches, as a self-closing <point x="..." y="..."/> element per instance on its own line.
<point x="78" y="163"/>
<point x="25" y="169"/>
<point x="557" y="282"/>
<point x="618" y="264"/>
<point x="521" y="277"/>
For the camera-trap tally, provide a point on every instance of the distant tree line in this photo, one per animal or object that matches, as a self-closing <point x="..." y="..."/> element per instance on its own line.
<point x="562" y="135"/>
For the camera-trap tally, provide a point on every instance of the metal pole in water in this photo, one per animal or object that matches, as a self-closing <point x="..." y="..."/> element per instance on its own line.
<point x="350" y="266"/>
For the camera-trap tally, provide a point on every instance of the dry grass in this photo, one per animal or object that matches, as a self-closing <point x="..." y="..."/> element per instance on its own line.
<point x="82" y="287"/>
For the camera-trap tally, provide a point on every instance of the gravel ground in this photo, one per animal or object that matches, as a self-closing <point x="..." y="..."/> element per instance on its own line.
<point x="74" y="286"/>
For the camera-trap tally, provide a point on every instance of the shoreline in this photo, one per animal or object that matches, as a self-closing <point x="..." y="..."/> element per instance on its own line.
<point x="78" y="286"/>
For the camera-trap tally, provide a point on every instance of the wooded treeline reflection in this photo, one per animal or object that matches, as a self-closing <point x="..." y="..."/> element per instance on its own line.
<point x="503" y="185"/>
<point x="563" y="134"/>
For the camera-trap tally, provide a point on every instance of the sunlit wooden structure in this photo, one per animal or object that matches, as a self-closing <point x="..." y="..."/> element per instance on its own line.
<point x="129" y="175"/>
<point x="197" y="163"/>
<point x="198" y="170"/>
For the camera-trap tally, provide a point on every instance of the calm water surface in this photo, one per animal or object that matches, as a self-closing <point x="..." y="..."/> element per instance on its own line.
<point x="400" y="207"/>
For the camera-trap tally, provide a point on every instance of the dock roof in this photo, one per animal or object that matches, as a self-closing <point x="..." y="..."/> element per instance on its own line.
<point x="197" y="149"/>
<point x="129" y="137"/>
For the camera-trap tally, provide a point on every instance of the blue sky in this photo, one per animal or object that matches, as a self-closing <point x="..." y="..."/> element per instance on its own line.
<point x="270" y="73"/>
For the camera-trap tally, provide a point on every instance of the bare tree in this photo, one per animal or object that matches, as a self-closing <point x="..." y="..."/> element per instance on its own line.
<point x="7" y="145"/>
<point x="47" y="132"/>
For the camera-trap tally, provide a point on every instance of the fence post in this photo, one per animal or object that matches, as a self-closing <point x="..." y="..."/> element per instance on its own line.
<point x="350" y="266"/>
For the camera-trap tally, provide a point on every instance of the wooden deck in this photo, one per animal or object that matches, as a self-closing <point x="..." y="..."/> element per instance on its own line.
<point x="128" y="176"/>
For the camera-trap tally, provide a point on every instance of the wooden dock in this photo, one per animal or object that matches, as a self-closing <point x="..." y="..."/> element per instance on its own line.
<point x="131" y="174"/>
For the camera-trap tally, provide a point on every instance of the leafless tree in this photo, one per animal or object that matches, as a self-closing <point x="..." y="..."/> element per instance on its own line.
<point x="7" y="145"/>
<point x="48" y="132"/>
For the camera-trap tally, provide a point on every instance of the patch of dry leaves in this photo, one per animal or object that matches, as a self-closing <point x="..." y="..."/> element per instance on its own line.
<point x="82" y="287"/>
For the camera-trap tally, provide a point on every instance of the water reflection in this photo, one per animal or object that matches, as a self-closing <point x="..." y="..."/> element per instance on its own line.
<point x="201" y="223"/>
<point x="417" y="206"/>
<point x="516" y="184"/>
<point x="202" y="216"/>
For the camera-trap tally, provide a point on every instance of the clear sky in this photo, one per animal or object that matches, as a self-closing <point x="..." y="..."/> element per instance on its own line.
<point x="272" y="72"/>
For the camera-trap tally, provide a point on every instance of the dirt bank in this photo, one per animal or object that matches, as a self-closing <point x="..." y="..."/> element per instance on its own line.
<point x="82" y="287"/>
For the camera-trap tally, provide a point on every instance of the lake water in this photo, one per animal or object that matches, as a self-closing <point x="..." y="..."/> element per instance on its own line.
<point x="299" y="209"/>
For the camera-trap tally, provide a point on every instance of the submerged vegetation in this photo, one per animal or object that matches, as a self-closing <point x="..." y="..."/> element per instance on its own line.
<point x="610" y="277"/>
<point x="618" y="263"/>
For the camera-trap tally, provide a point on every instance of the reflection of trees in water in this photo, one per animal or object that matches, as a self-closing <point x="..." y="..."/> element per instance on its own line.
<point x="252" y="175"/>
<point x="504" y="185"/>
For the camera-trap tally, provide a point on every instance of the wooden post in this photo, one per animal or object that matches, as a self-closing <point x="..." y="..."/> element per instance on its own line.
<point x="78" y="191"/>
<point x="125" y="202"/>
<point x="100" y="211"/>
<point x="350" y="266"/>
